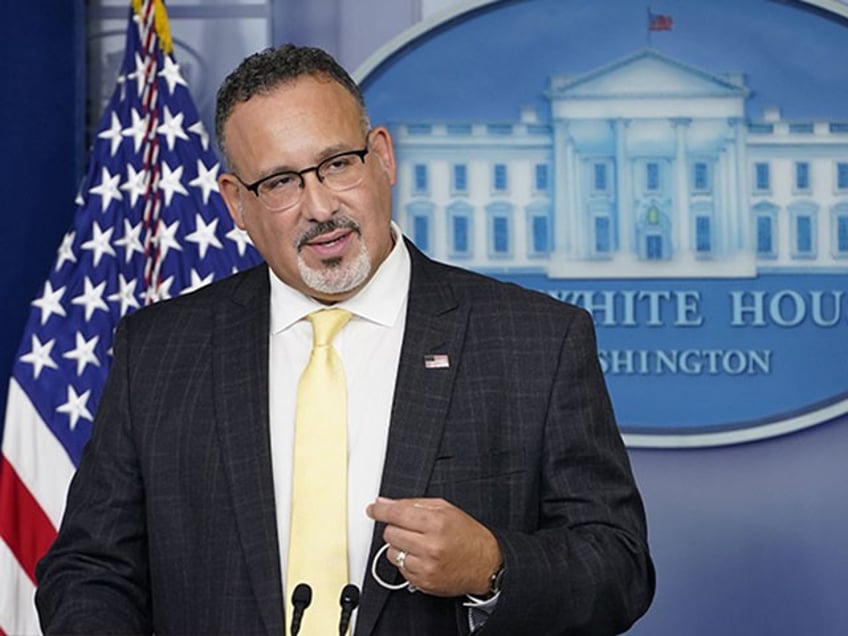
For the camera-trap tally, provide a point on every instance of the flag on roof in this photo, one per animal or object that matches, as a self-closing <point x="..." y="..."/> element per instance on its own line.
<point x="150" y="224"/>
<point x="659" y="21"/>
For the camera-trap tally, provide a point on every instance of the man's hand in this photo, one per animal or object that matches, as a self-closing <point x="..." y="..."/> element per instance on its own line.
<point x="448" y="553"/>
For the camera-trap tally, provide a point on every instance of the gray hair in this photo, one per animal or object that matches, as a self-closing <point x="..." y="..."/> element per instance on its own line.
<point x="264" y="71"/>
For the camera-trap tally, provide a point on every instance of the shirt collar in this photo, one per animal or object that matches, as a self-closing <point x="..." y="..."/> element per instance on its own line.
<point x="380" y="301"/>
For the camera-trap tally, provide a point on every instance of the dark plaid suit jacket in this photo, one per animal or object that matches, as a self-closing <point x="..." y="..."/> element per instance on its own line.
<point x="171" y="528"/>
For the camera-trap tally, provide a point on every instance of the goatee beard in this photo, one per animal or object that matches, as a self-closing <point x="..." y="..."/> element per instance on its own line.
<point x="334" y="276"/>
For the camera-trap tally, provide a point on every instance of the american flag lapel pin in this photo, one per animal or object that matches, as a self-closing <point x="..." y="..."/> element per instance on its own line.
<point x="437" y="361"/>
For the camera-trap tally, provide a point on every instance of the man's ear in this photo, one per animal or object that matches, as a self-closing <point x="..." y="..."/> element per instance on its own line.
<point x="230" y="192"/>
<point x="382" y="146"/>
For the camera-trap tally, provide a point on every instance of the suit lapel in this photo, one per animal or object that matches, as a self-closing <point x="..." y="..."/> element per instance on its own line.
<point x="435" y="326"/>
<point x="240" y="369"/>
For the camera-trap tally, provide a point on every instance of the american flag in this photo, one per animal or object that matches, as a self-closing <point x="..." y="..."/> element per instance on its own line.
<point x="150" y="224"/>
<point x="659" y="21"/>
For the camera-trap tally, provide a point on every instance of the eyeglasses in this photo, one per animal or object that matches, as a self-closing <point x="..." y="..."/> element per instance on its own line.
<point x="282" y="190"/>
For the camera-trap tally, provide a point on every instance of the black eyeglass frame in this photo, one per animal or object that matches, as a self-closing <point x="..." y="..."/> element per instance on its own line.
<point x="254" y="187"/>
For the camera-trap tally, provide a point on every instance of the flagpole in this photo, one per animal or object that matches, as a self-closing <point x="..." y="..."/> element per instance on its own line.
<point x="648" y="27"/>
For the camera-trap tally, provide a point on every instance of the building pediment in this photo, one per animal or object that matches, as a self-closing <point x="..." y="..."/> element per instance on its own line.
<point x="646" y="75"/>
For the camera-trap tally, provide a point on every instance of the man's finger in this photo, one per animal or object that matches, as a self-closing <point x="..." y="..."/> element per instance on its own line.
<point x="412" y="514"/>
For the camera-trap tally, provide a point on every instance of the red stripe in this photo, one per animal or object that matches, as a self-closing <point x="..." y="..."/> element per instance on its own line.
<point x="24" y="526"/>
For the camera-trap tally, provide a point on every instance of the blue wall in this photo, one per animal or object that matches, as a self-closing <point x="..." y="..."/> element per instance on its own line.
<point x="41" y="110"/>
<point x="749" y="539"/>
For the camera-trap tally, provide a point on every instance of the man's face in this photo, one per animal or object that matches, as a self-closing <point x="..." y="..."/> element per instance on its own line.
<point x="329" y="244"/>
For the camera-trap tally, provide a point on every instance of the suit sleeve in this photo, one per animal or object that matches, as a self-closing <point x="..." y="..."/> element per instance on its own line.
<point x="586" y="569"/>
<point x="94" y="579"/>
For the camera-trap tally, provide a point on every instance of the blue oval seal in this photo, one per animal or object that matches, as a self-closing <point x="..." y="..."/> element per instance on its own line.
<point x="692" y="196"/>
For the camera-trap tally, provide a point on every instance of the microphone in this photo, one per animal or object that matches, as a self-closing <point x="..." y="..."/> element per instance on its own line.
<point x="349" y="600"/>
<point x="301" y="598"/>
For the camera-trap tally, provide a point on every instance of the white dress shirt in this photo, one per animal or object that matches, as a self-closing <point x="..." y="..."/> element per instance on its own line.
<point x="369" y="346"/>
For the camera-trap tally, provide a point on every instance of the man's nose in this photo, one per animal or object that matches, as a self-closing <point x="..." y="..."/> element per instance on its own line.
<point x="318" y="202"/>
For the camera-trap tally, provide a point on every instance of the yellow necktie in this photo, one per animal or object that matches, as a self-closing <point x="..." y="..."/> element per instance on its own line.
<point x="318" y="540"/>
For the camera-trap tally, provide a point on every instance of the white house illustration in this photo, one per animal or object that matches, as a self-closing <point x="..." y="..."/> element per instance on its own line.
<point x="646" y="167"/>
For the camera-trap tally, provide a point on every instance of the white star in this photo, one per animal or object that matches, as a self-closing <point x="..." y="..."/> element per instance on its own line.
<point x="131" y="240"/>
<point x="204" y="235"/>
<point x="166" y="238"/>
<point x="39" y="356"/>
<point x="76" y="406"/>
<point x="83" y="352"/>
<point x="136" y="183"/>
<point x="122" y="83"/>
<point x="172" y="74"/>
<point x="206" y="179"/>
<point x="172" y="128"/>
<point x="113" y="134"/>
<point x="164" y="290"/>
<point x="100" y="243"/>
<point x="126" y="294"/>
<point x="240" y="238"/>
<point x="138" y="74"/>
<point x="50" y="302"/>
<point x="91" y="298"/>
<point x="171" y="182"/>
<point x="197" y="282"/>
<point x="137" y="131"/>
<point x="161" y="292"/>
<point x="108" y="188"/>
<point x="200" y="130"/>
<point x="66" y="250"/>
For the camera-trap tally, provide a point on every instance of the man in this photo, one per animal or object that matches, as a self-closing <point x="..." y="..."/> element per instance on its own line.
<point x="475" y="410"/>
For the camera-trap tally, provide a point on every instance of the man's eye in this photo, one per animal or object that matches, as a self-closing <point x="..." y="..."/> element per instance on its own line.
<point x="279" y="181"/>
<point x="337" y="164"/>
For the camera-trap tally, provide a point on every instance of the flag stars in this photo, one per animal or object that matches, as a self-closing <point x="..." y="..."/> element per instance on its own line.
<point x="131" y="240"/>
<point x="108" y="189"/>
<point x="100" y="243"/>
<point x="206" y="180"/>
<point x="113" y="134"/>
<point x="240" y="238"/>
<point x="200" y="130"/>
<point x="50" y="302"/>
<point x="83" y="352"/>
<point x="136" y="183"/>
<point x="198" y="281"/>
<point x="66" y="250"/>
<point x="122" y="85"/>
<point x="166" y="238"/>
<point x="127" y="245"/>
<point x="204" y="236"/>
<point x="92" y="298"/>
<point x="162" y="291"/>
<point x="172" y="128"/>
<point x="125" y="294"/>
<point x="137" y="130"/>
<point x="171" y="182"/>
<point x="76" y="407"/>
<point x="39" y="356"/>
<point x="172" y="74"/>
<point x="138" y="74"/>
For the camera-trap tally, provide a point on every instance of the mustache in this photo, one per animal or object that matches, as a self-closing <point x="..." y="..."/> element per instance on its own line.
<point x="327" y="226"/>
